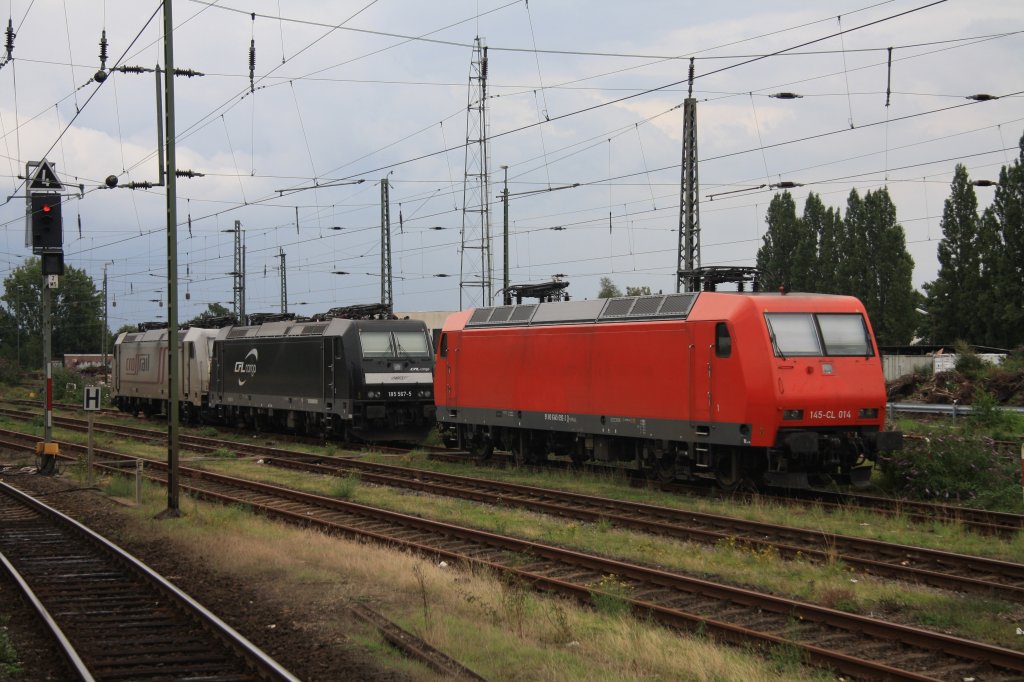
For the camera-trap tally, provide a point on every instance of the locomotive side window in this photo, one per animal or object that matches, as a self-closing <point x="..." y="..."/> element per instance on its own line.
<point x="793" y="334"/>
<point x="844" y="335"/>
<point x="444" y="345"/>
<point x="723" y="342"/>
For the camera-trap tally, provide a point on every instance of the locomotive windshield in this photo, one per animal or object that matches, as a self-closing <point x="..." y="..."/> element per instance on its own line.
<point x="411" y="344"/>
<point x="829" y="334"/>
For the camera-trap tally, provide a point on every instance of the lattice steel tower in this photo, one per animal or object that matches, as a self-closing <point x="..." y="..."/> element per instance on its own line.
<point x="284" y="281"/>
<point x="239" y="272"/>
<point x="386" y="296"/>
<point x="475" y="267"/>
<point x="688" y="265"/>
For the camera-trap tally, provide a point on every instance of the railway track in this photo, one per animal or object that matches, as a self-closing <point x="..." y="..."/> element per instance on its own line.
<point x="942" y="569"/>
<point x="982" y="521"/>
<point x="851" y="644"/>
<point x="937" y="568"/>
<point x="113" y="617"/>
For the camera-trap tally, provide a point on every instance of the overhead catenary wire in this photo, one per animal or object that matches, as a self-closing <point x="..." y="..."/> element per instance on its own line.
<point x="646" y="170"/>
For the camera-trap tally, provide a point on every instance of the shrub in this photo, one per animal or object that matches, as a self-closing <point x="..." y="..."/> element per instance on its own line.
<point x="987" y="418"/>
<point x="953" y="469"/>
<point x="68" y="385"/>
<point x="968" y="362"/>
<point x="10" y="373"/>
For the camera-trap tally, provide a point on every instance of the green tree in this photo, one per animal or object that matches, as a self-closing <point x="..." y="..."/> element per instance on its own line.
<point x="856" y="259"/>
<point x="1003" y="257"/>
<point x="954" y="297"/>
<point x="608" y="289"/>
<point x="76" y="312"/>
<point x="883" y="281"/>
<point x="789" y="253"/>
<point x="826" y="225"/>
<point x="213" y="310"/>
<point x="638" y="291"/>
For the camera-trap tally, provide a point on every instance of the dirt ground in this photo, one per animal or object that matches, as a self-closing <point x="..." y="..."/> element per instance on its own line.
<point x="290" y="633"/>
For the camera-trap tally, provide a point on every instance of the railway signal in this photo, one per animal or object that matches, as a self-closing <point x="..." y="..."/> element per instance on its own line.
<point x="47" y="222"/>
<point x="44" y="233"/>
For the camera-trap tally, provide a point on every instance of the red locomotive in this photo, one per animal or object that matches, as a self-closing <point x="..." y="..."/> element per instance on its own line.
<point x="745" y="388"/>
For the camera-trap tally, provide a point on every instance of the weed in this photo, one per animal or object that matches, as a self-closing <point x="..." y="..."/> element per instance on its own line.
<point x="786" y="659"/>
<point x="9" y="667"/>
<point x="421" y="579"/>
<point x="841" y="598"/>
<point x="610" y="595"/>
<point x="603" y="525"/>
<point x="120" y="486"/>
<point x="559" y="619"/>
<point x="222" y="453"/>
<point x="344" y="488"/>
<point x="514" y="602"/>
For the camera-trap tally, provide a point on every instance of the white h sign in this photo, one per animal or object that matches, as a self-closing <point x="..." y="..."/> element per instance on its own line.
<point x="92" y="398"/>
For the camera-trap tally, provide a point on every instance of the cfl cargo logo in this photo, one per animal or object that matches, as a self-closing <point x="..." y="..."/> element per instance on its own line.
<point x="246" y="369"/>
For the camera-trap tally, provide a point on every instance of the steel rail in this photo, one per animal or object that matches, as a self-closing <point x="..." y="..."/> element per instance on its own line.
<point x="80" y="546"/>
<point x="67" y="649"/>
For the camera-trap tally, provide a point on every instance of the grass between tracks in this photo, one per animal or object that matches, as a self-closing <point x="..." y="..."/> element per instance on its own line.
<point x="833" y="584"/>
<point x="501" y="630"/>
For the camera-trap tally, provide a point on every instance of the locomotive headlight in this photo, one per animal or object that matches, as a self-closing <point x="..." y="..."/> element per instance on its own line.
<point x="373" y="395"/>
<point x="792" y="414"/>
<point x="868" y="413"/>
<point x="425" y="393"/>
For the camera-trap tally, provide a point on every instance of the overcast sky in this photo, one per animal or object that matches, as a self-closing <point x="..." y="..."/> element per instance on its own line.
<point x="584" y="92"/>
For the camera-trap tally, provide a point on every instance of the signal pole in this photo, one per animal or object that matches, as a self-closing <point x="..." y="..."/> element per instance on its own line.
<point x="103" y="331"/>
<point x="45" y="234"/>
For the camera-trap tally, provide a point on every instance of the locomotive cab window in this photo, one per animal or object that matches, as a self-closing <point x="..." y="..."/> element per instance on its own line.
<point x="823" y="334"/>
<point x="723" y="342"/>
<point x="411" y="344"/>
<point x="376" y="344"/>
<point x="845" y="335"/>
<point x="444" y="345"/>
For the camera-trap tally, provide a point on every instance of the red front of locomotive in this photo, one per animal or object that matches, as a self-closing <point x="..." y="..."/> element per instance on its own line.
<point x="820" y="405"/>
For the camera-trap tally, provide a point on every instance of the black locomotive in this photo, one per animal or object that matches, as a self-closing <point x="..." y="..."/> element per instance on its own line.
<point x="364" y="379"/>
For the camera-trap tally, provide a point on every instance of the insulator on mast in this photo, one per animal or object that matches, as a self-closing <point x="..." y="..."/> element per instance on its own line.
<point x="103" y="50"/>
<point x="252" y="65"/>
<point x="9" y="43"/>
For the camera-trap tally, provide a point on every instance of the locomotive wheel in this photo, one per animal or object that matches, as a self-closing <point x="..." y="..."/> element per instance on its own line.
<point x="728" y="473"/>
<point x="481" y="447"/>
<point x="665" y="469"/>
